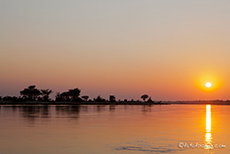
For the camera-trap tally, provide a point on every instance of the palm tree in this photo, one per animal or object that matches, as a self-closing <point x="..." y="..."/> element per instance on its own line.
<point x="45" y="94"/>
<point x="144" y="97"/>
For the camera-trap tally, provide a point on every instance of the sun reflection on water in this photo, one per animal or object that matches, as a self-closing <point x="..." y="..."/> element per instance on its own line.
<point x="208" y="134"/>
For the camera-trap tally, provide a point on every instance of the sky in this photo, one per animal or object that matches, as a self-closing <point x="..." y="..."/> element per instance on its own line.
<point x="166" y="49"/>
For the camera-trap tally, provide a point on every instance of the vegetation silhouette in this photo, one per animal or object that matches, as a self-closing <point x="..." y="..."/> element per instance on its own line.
<point x="85" y="97"/>
<point x="112" y="98"/>
<point x="33" y="95"/>
<point x="30" y="93"/>
<point x="45" y="94"/>
<point x="10" y="98"/>
<point x="144" y="97"/>
<point x="99" y="99"/>
<point x="72" y="95"/>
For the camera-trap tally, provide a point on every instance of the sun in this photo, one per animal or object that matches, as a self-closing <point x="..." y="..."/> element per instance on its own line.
<point x="208" y="84"/>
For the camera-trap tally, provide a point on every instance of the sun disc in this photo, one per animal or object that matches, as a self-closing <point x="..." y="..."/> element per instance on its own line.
<point x="208" y="84"/>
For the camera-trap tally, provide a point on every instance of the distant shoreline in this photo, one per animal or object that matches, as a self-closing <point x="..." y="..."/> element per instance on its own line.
<point x="217" y="102"/>
<point x="117" y="103"/>
<point x="81" y="103"/>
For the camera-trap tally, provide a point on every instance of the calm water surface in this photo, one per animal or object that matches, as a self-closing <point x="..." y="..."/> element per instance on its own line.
<point x="122" y="129"/>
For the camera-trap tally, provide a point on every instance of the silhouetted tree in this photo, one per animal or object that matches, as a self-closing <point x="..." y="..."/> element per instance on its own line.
<point x="58" y="97"/>
<point x="112" y="98"/>
<point x="70" y="95"/>
<point x="85" y="97"/>
<point x="144" y="97"/>
<point x="45" y="94"/>
<point x="30" y="93"/>
<point x="10" y="98"/>
<point x="74" y="94"/>
<point x="99" y="99"/>
<point x="65" y="96"/>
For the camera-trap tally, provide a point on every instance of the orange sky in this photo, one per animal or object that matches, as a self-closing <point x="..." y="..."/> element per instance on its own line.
<point x="126" y="48"/>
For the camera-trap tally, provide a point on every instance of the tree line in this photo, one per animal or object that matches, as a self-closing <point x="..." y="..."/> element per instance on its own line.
<point x="31" y="93"/>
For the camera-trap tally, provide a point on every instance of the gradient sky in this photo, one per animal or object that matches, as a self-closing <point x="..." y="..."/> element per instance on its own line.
<point x="165" y="48"/>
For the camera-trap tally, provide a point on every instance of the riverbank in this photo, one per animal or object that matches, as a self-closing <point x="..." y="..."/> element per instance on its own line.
<point x="81" y="103"/>
<point x="117" y="103"/>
